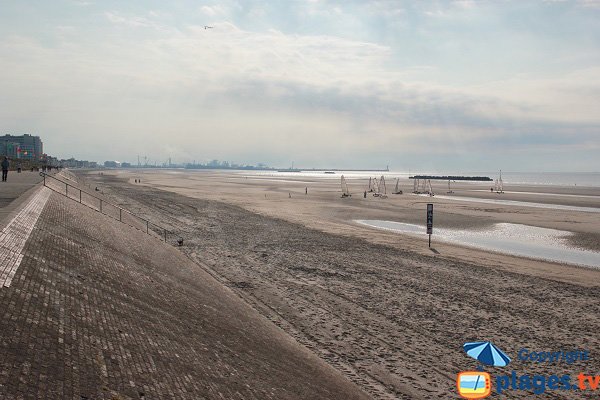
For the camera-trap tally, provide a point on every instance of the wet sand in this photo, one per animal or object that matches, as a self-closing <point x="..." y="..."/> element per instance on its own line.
<point x="323" y="209"/>
<point x="383" y="308"/>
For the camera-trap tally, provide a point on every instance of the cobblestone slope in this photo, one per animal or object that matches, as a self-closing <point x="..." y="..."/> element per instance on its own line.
<point x="99" y="310"/>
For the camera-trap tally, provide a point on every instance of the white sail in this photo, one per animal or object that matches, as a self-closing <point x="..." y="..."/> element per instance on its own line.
<point x="345" y="191"/>
<point x="501" y="185"/>
<point x="382" y="189"/>
<point x="397" y="189"/>
<point x="371" y="189"/>
<point x="422" y="186"/>
<point x="498" y="184"/>
<point x="375" y="186"/>
<point x="429" y="188"/>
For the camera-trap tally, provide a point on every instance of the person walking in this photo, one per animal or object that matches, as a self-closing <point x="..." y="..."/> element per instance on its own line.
<point x="5" y="165"/>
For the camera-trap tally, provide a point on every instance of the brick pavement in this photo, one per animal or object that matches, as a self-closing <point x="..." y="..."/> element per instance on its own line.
<point x="14" y="191"/>
<point x="99" y="310"/>
<point x="14" y="236"/>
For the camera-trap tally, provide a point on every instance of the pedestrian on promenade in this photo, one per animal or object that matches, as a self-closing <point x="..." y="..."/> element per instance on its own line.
<point x="19" y="167"/>
<point x="5" y="165"/>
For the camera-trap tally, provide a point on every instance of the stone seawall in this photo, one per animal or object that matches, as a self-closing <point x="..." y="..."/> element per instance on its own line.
<point x="100" y="310"/>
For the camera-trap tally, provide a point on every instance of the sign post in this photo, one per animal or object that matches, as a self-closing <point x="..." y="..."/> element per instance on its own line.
<point x="429" y="221"/>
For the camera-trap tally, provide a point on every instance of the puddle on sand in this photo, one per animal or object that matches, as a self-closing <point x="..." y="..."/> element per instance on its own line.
<point x="515" y="239"/>
<point x="583" y="196"/>
<point x="520" y="203"/>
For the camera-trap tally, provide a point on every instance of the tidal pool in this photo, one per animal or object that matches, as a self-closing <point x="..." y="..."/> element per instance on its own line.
<point x="515" y="239"/>
<point x="520" y="203"/>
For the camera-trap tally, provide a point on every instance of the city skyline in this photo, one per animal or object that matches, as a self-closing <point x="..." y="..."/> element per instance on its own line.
<point x="431" y="86"/>
<point x="24" y="146"/>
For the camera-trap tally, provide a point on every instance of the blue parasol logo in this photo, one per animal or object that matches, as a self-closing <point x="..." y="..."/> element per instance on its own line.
<point x="486" y="353"/>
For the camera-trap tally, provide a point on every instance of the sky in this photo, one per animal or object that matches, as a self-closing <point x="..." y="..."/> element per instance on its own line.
<point x="444" y="86"/>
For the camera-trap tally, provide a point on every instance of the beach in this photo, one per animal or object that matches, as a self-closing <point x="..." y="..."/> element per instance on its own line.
<point x="324" y="210"/>
<point x="383" y="308"/>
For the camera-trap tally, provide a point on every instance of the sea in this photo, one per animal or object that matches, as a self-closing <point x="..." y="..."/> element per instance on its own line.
<point x="583" y="179"/>
<point x="547" y="178"/>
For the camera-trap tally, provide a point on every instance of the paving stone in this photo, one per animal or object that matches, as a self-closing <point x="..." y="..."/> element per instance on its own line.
<point x="14" y="236"/>
<point x="14" y="191"/>
<point x="100" y="310"/>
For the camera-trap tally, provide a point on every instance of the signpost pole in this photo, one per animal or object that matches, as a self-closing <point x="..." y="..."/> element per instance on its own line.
<point x="429" y="221"/>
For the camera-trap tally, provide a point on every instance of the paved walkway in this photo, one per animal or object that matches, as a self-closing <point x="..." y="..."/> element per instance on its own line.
<point x="99" y="310"/>
<point x="14" y="236"/>
<point x="11" y="192"/>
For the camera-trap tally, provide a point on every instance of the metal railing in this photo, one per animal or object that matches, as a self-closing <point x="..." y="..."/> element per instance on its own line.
<point x="107" y="208"/>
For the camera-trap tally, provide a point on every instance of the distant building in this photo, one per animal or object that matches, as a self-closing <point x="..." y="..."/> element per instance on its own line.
<point x="26" y="147"/>
<point x="112" y="164"/>
<point x="73" y="163"/>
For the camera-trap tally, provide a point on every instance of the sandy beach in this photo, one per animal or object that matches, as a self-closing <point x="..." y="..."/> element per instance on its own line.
<point x="324" y="210"/>
<point x="387" y="311"/>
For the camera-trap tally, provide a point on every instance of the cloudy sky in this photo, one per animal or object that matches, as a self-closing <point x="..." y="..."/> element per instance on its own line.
<point x="425" y="85"/>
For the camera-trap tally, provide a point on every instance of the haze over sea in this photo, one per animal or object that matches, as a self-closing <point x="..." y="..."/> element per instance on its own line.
<point x="584" y="179"/>
<point x="545" y="178"/>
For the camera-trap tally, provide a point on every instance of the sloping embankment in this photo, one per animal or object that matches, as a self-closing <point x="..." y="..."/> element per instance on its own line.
<point x="97" y="309"/>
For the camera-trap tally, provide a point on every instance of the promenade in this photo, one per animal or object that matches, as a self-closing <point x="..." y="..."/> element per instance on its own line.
<point x="14" y="190"/>
<point x="95" y="309"/>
